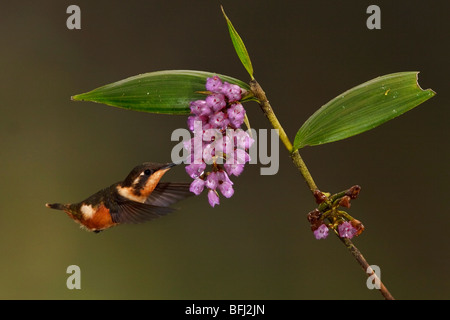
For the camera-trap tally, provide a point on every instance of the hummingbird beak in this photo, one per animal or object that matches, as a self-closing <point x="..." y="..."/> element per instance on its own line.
<point x="57" y="206"/>
<point x="169" y="165"/>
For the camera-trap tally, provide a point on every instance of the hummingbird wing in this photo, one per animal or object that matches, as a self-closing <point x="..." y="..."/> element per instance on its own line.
<point x="128" y="211"/>
<point x="167" y="193"/>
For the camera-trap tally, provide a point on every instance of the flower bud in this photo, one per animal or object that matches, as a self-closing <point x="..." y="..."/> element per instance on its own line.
<point x="345" y="202"/>
<point x="319" y="196"/>
<point x="231" y="91"/>
<point x="359" y="227"/>
<point x="233" y="168"/>
<point x="197" y="186"/>
<point x="226" y="189"/>
<point x="195" y="170"/>
<point x="213" y="198"/>
<point x="353" y="192"/>
<point x="212" y="181"/>
<point x="214" y="84"/>
<point x="216" y="101"/>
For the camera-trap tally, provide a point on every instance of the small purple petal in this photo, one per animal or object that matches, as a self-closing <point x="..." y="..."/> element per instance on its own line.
<point x="195" y="170"/>
<point x="188" y="145"/>
<point x="195" y="148"/>
<point x="190" y="122"/>
<point x="223" y="177"/>
<point x="198" y="106"/>
<point x="202" y="122"/>
<point x="241" y="157"/>
<point x="209" y="153"/>
<point x="236" y="114"/>
<point x="211" y="145"/>
<point x="196" y="159"/>
<point x="234" y="169"/>
<point x="211" y="135"/>
<point x="214" y="84"/>
<point x="197" y="186"/>
<point x="226" y="189"/>
<point x="236" y="111"/>
<point x="243" y="139"/>
<point x="346" y="230"/>
<point x="197" y="144"/>
<point x="321" y="232"/>
<point x="237" y="123"/>
<point x="216" y="101"/>
<point x="218" y="120"/>
<point x="224" y="145"/>
<point x="213" y="198"/>
<point x="197" y="124"/>
<point x="231" y="91"/>
<point x="212" y="181"/>
<point x="206" y="126"/>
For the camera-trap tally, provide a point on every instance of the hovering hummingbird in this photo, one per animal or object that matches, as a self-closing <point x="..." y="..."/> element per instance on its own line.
<point x="139" y="198"/>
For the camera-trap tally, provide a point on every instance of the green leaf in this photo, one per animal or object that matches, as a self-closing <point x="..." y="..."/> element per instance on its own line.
<point x="239" y="46"/>
<point x="362" y="108"/>
<point x="167" y="92"/>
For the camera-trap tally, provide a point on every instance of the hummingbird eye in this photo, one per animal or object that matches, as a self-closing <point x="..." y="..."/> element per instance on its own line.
<point x="148" y="172"/>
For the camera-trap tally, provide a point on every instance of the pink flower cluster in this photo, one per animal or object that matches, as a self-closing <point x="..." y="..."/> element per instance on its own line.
<point x="218" y="140"/>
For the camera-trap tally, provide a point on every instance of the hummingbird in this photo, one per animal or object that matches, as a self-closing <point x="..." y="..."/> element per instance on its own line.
<point x="140" y="197"/>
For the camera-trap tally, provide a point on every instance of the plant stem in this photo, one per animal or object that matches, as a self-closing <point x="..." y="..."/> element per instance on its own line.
<point x="267" y="109"/>
<point x="259" y="94"/>
<point x="300" y="164"/>
<point x="365" y="265"/>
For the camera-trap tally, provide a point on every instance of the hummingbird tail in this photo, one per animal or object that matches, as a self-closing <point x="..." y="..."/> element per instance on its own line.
<point x="57" y="206"/>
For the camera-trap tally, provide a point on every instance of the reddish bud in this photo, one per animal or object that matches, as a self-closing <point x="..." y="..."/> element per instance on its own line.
<point x="314" y="219"/>
<point x="314" y="215"/>
<point x="353" y="192"/>
<point x="358" y="226"/>
<point x="345" y="202"/>
<point x="319" y="196"/>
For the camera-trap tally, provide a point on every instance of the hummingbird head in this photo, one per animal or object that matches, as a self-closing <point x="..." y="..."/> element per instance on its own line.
<point x="142" y="180"/>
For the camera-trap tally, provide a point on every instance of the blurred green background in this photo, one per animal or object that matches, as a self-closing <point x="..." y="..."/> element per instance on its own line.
<point x="258" y="244"/>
